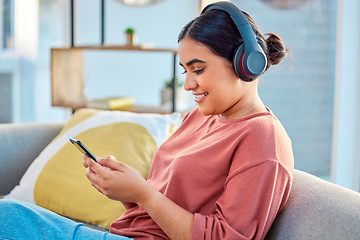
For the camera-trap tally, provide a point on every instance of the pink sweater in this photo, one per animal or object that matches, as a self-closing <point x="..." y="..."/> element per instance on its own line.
<point x="235" y="175"/>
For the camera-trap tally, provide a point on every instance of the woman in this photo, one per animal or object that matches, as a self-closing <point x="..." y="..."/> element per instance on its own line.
<point x="227" y="171"/>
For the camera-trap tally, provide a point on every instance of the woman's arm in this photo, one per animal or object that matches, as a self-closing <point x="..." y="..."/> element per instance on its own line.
<point x="128" y="205"/>
<point x="120" y="182"/>
<point x="175" y="221"/>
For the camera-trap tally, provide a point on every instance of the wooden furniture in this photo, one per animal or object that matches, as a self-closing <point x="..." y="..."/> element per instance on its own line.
<point x="67" y="75"/>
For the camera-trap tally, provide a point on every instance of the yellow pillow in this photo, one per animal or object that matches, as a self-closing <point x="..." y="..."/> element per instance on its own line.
<point x="56" y="179"/>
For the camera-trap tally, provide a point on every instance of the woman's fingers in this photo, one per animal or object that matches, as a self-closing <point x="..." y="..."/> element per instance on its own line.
<point x="112" y="163"/>
<point x="84" y="156"/>
<point x="115" y="180"/>
<point x="94" y="179"/>
<point x="96" y="166"/>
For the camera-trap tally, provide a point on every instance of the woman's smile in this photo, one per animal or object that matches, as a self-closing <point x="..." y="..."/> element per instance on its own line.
<point x="200" y="97"/>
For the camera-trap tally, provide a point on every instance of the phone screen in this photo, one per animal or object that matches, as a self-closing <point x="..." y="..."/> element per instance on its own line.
<point x="82" y="148"/>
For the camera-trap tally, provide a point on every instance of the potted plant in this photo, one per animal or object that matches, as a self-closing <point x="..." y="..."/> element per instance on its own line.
<point x="166" y="94"/>
<point x="169" y="83"/>
<point x="130" y="36"/>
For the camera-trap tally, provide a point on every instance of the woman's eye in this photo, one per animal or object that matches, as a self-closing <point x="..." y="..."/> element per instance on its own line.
<point x="198" y="70"/>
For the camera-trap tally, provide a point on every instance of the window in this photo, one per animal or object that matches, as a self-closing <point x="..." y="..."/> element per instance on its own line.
<point x="6" y="24"/>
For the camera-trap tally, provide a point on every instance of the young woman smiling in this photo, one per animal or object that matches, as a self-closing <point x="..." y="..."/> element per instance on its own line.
<point x="226" y="172"/>
<point x="214" y="84"/>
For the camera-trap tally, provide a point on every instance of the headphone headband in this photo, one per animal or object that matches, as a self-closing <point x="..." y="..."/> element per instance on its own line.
<point x="235" y="13"/>
<point x="249" y="58"/>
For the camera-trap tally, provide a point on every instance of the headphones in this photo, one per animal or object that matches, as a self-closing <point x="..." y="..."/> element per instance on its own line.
<point x="249" y="59"/>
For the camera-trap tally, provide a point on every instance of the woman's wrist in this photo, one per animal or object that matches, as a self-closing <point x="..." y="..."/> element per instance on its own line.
<point x="128" y="205"/>
<point x="149" y="197"/>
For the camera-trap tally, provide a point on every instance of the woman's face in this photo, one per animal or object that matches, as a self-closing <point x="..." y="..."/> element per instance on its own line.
<point x="211" y="78"/>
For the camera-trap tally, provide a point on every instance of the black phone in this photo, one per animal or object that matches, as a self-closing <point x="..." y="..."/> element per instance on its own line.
<point x="79" y="145"/>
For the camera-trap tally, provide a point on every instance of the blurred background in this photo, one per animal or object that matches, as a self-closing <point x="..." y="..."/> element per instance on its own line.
<point x="315" y="95"/>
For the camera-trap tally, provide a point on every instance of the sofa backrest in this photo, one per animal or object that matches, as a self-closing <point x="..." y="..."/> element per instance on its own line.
<point x="20" y="144"/>
<point x="318" y="209"/>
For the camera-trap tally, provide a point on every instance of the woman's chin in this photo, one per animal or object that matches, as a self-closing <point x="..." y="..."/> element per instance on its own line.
<point x="205" y="111"/>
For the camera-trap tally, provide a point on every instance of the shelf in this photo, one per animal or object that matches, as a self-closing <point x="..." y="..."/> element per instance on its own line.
<point x="121" y="48"/>
<point x="68" y="80"/>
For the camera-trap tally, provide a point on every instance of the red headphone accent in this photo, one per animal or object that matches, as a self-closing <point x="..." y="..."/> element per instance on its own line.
<point x="241" y="66"/>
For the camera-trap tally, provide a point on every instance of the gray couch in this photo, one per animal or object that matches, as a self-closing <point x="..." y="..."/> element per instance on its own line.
<point x="316" y="209"/>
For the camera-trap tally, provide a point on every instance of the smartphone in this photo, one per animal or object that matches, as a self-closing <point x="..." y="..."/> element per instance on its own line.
<point x="82" y="148"/>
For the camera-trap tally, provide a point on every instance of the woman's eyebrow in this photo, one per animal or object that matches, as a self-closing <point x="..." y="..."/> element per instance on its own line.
<point x="192" y="62"/>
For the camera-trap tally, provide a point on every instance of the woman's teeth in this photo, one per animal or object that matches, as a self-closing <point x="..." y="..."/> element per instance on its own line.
<point x="200" y="95"/>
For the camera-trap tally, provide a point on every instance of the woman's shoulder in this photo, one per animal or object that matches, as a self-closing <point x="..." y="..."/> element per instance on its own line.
<point x="266" y="129"/>
<point x="271" y="140"/>
<point x="264" y="122"/>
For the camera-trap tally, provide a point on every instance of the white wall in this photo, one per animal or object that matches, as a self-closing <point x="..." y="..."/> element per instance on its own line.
<point x="346" y="152"/>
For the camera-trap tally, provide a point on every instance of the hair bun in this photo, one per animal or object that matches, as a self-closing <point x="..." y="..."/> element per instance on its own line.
<point x="276" y="49"/>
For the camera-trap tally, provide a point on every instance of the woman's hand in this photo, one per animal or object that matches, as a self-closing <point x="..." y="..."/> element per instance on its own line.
<point x="120" y="182"/>
<point x="117" y="180"/>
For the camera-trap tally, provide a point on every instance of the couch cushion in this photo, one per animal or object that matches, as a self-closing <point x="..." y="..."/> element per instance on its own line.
<point x="56" y="180"/>
<point x="318" y="209"/>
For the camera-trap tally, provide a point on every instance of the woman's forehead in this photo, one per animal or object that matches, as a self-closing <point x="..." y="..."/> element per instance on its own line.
<point x="190" y="48"/>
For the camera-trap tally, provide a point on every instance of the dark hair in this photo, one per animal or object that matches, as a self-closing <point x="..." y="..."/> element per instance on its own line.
<point x="217" y="31"/>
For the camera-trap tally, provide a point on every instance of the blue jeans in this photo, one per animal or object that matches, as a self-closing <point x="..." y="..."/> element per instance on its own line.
<point x="20" y="220"/>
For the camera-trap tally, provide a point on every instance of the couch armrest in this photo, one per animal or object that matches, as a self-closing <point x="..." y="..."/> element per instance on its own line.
<point x="318" y="209"/>
<point x="20" y="144"/>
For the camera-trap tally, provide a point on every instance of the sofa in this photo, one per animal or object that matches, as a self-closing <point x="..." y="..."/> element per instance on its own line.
<point x="316" y="209"/>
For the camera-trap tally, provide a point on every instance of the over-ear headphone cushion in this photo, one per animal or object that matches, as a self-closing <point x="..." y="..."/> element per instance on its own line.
<point x="239" y="64"/>
<point x="248" y="68"/>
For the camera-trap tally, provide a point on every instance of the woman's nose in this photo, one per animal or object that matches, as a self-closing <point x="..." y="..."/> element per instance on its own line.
<point x="190" y="84"/>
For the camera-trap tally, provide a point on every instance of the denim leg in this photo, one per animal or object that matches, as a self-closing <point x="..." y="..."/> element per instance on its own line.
<point x="85" y="233"/>
<point x="20" y="220"/>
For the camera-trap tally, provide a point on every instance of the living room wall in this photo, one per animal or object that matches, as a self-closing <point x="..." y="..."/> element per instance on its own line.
<point x="141" y="75"/>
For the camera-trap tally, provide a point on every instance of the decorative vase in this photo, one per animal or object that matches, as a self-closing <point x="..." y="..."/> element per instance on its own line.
<point x="131" y="38"/>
